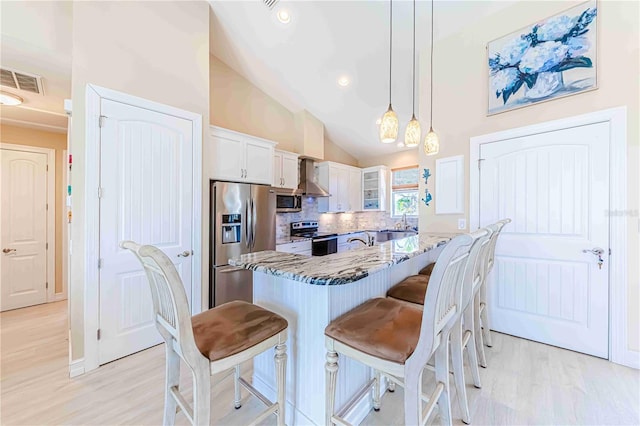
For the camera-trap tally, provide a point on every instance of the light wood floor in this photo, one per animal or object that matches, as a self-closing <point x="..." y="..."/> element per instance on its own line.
<point x="526" y="383"/>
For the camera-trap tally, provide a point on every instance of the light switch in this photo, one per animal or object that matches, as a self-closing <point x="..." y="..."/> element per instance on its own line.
<point x="462" y="223"/>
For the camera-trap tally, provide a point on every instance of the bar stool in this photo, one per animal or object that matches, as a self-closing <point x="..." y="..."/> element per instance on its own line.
<point x="211" y="342"/>
<point x="397" y="339"/>
<point x="481" y="316"/>
<point x="463" y="332"/>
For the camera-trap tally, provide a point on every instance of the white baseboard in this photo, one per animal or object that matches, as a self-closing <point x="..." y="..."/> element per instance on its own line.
<point x="629" y="358"/>
<point x="76" y="368"/>
<point x="59" y="296"/>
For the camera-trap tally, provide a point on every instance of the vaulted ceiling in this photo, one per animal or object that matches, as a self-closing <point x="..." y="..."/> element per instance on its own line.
<point x="299" y="63"/>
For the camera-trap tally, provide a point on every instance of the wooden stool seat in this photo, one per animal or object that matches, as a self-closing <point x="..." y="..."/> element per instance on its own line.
<point x="427" y="270"/>
<point x="384" y="328"/>
<point x="412" y="289"/>
<point x="233" y="327"/>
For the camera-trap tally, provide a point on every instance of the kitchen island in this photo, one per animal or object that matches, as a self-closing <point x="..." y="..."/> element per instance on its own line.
<point x="312" y="291"/>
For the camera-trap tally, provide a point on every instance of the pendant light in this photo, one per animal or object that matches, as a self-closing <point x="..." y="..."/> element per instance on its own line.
<point x="389" y="122"/>
<point x="431" y="141"/>
<point x="413" y="133"/>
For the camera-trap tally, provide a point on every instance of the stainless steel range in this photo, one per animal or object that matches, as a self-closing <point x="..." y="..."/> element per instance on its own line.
<point x="322" y="243"/>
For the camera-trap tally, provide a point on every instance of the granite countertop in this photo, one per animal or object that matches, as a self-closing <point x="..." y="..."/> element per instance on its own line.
<point x="289" y="239"/>
<point x="340" y="268"/>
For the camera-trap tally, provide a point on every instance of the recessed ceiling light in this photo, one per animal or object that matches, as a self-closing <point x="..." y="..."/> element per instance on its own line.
<point x="400" y="144"/>
<point x="9" y="99"/>
<point x="343" y="81"/>
<point x="284" y="16"/>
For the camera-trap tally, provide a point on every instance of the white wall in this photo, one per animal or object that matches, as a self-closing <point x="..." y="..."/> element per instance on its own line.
<point x="460" y="102"/>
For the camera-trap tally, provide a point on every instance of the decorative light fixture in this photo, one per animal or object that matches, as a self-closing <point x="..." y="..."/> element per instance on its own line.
<point x="9" y="99"/>
<point x="413" y="133"/>
<point x="389" y="124"/>
<point x="431" y="141"/>
<point x="343" y="81"/>
<point x="284" y="16"/>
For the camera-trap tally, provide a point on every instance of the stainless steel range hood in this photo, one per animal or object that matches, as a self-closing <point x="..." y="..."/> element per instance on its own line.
<point x="308" y="185"/>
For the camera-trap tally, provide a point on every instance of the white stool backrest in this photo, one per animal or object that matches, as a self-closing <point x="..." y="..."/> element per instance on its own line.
<point x="170" y="304"/>
<point x="443" y="297"/>
<point x="496" y="228"/>
<point x="476" y="265"/>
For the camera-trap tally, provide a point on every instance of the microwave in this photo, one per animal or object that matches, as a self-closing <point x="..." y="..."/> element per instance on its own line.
<point x="288" y="203"/>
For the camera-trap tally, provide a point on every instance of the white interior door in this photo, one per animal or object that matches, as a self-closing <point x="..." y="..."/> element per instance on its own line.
<point x="147" y="197"/>
<point x="24" y="229"/>
<point x="555" y="188"/>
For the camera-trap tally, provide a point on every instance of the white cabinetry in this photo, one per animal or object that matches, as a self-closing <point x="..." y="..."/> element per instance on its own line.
<point x="300" y="247"/>
<point x="344" y="184"/>
<point x="241" y="158"/>
<point x="375" y="188"/>
<point x="285" y="170"/>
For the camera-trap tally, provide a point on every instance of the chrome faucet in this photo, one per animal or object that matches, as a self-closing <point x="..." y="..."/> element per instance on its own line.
<point x="404" y="225"/>
<point x="369" y="242"/>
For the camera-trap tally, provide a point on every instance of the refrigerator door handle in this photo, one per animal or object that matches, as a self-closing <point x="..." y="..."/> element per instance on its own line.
<point x="253" y="224"/>
<point x="247" y="225"/>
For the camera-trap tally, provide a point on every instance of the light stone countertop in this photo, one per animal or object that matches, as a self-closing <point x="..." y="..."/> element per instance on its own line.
<point x="340" y="268"/>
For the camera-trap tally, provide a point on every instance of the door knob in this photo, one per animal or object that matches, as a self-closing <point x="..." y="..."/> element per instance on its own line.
<point x="597" y="251"/>
<point x="8" y="250"/>
<point x="185" y="253"/>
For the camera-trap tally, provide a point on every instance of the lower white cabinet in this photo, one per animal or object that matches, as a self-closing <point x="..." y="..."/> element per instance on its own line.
<point x="344" y="184"/>
<point x="299" y="247"/>
<point x="237" y="157"/>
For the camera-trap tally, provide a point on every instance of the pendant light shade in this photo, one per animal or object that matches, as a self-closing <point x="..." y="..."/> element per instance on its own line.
<point x="389" y="122"/>
<point x="431" y="141"/>
<point x="413" y="132"/>
<point x="389" y="126"/>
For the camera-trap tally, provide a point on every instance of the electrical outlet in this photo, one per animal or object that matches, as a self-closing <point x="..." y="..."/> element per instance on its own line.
<point x="462" y="223"/>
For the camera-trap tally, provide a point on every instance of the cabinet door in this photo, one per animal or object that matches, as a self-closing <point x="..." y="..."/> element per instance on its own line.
<point x="277" y="169"/>
<point x="228" y="159"/>
<point x="343" y="189"/>
<point x="334" y="190"/>
<point x="259" y="162"/>
<point x="289" y="171"/>
<point x="355" y="190"/>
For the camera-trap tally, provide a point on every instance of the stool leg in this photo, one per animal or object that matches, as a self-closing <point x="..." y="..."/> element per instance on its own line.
<point x="486" y="327"/>
<point x="471" y="346"/>
<point x="392" y="386"/>
<point x="237" y="403"/>
<point x="458" y="370"/>
<point x="442" y="376"/>
<point x="172" y="380"/>
<point x="201" y="396"/>
<point x="478" y="331"/>
<point x="281" y="377"/>
<point x="375" y="392"/>
<point x="331" y="368"/>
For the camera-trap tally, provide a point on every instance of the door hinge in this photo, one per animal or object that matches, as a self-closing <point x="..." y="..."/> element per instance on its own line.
<point x="99" y="263"/>
<point x="101" y="120"/>
<point x="46" y="285"/>
<point x="46" y="246"/>
<point x="98" y="334"/>
<point x="480" y="160"/>
<point x="47" y="167"/>
<point x="609" y="252"/>
<point x="100" y="192"/>
<point x="47" y="206"/>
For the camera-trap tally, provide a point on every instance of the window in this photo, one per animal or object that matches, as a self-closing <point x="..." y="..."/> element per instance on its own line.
<point x="404" y="191"/>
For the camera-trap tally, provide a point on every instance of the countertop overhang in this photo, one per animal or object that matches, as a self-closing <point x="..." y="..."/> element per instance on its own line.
<point x="344" y="267"/>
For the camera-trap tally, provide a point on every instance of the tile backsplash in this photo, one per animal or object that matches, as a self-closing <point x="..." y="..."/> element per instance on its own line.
<point x="330" y="222"/>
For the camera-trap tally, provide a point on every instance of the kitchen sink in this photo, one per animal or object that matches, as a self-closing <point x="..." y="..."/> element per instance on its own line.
<point x="392" y="234"/>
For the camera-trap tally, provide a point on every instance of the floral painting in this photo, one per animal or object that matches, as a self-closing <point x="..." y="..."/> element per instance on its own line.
<point x="552" y="58"/>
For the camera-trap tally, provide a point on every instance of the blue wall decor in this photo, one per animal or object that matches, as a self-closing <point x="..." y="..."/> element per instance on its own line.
<point x="426" y="175"/>
<point x="427" y="197"/>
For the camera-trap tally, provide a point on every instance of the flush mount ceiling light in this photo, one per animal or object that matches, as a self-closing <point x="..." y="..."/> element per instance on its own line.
<point x="343" y="81"/>
<point x="284" y="16"/>
<point x="9" y="99"/>
<point x="413" y="133"/>
<point x="389" y="123"/>
<point x="401" y="145"/>
<point x="431" y="141"/>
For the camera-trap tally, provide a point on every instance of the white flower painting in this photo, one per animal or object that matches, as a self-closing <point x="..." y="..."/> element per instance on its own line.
<point x="552" y="58"/>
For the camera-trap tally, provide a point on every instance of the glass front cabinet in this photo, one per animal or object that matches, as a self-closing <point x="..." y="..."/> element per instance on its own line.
<point x="375" y="188"/>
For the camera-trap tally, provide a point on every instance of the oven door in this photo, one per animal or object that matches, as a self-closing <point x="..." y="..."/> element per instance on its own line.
<point x="324" y="246"/>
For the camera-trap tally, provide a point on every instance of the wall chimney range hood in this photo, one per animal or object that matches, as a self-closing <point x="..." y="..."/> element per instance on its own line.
<point x="308" y="185"/>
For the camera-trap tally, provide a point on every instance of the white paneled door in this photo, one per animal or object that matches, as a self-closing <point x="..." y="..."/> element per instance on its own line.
<point x="547" y="284"/>
<point x="24" y="229"/>
<point x="146" y="196"/>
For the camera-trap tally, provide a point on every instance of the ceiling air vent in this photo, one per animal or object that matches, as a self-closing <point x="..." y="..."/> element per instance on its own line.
<point x="270" y="3"/>
<point x="21" y="80"/>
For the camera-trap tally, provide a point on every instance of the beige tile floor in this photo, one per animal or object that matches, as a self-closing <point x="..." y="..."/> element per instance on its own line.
<point x="526" y="383"/>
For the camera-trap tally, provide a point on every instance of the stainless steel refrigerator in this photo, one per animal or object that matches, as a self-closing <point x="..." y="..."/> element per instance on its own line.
<point x="243" y="220"/>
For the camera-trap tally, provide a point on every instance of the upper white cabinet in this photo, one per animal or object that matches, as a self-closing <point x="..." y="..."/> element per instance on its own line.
<point x="285" y="170"/>
<point x="241" y="158"/>
<point x="344" y="184"/>
<point x="375" y="188"/>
